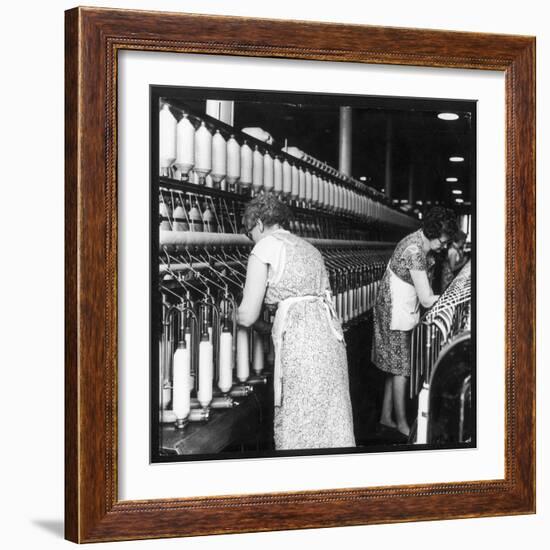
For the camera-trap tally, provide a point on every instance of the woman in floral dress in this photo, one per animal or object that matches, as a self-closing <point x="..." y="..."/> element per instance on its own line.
<point x="455" y="259"/>
<point x="403" y="287"/>
<point x="311" y="386"/>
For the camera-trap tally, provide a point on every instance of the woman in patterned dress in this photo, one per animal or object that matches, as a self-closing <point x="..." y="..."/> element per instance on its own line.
<point x="455" y="259"/>
<point x="311" y="386"/>
<point x="396" y="312"/>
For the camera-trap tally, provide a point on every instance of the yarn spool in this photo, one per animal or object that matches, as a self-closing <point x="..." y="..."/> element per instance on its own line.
<point x="180" y="221"/>
<point x="258" y="355"/>
<point x="233" y="161"/>
<point x="269" y="175"/>
<point x="278" y="176"/>
<point x="195" y="218"/>
<point x="181" y="383"/>
<point x="225" y="371"/>
<point x="167" y="139"/>
<point x="257" y="170"/>
<point x="243" y="355"/>
<point x="295" y="175"/>
<point x="165" y="213"/>
<point x="309" y="187"/>
<point x="301" y="184"/>
<point x="208" y="222"/>
<point x="287" y="178"/>
<point x="219" y="158"/>
<point x="206" y="373"/>
<point x="203" y="152"/>
<point x="185" y="139"/>
<point x="314" y="189"/>
<point x="246" y="166"/>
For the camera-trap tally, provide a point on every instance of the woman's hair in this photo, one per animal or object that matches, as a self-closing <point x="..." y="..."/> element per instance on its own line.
<point x="439" y="221"/>
<point x="269" y="209"/>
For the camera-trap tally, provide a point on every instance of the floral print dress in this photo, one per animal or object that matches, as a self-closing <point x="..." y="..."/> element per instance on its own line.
<point x="315" y="410"/>
<point x="447" y="274"/>
<point x="392" y="348"/>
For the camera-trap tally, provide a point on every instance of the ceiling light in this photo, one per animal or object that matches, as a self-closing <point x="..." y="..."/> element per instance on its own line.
<point x="457" y="192"/>
<point x="452" y="180"/>
<point x="459" y="201"/>
<point x="456" y="159"/>
<point x="404" y="201"/>
<point x="363" y="178"/>
<point x="447" y="116"/>
<point x="419" y="202"/>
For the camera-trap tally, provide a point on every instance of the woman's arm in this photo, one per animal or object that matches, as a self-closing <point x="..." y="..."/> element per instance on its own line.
<point x="423" y="289"/>
<point x="254" y="291"/>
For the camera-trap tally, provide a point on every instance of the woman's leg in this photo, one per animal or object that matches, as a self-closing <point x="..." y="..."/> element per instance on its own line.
<point x="399" y="388"/>
<point x="387" y="403"/>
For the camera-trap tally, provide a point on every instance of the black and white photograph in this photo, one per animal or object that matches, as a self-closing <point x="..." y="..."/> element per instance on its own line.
<point x="312" y="273"/>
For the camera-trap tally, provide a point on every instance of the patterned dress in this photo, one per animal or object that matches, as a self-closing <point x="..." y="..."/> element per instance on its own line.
<point x="392" y="348"/>
<point x="447" y="274"/>
<point x="315" y="409"/>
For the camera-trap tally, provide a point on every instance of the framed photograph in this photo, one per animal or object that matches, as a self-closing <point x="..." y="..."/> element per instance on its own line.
<point x="299" y="275"/>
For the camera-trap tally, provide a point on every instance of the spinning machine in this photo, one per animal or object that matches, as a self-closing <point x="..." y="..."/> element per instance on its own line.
<point x="213" y="376"/>
<point x="441" y="374"/>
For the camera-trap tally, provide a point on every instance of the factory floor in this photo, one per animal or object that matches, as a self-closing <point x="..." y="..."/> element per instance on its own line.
<point x="367" y="390"/>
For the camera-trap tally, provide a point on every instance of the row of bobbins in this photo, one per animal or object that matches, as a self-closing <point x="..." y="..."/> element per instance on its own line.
<point x="204" y="157"/>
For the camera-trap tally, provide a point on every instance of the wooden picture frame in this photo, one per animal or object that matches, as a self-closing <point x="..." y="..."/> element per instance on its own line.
<point x="93" y="39"/>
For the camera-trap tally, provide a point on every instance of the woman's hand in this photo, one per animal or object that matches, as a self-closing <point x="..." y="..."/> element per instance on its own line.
<point x="262" y="327"/>
<point x="460" y="264"/>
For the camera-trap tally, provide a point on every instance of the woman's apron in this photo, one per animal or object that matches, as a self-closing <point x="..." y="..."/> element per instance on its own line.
<point x="279" y="328"/>
<point x="405" y="306"/>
